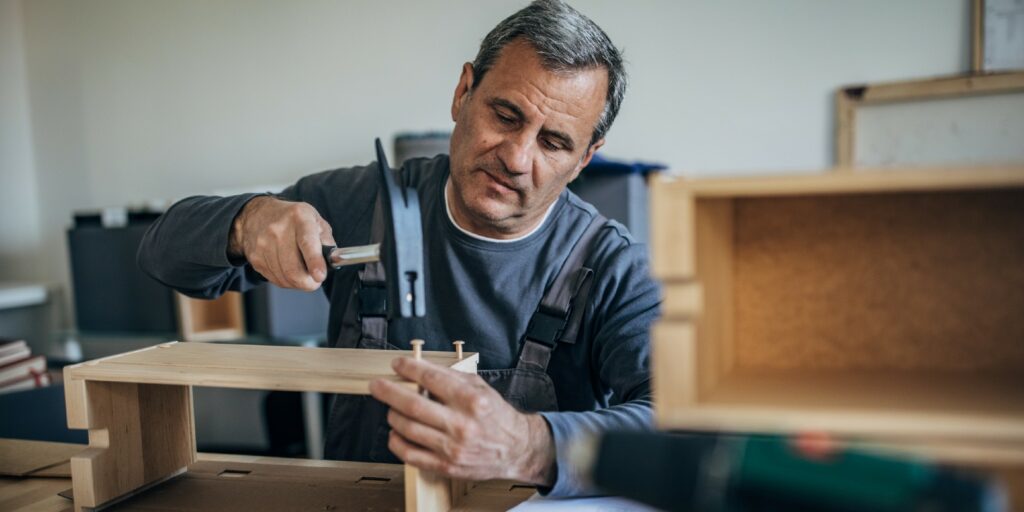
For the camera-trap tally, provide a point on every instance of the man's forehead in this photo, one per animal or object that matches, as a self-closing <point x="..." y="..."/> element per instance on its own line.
<point x="566" y="96"/>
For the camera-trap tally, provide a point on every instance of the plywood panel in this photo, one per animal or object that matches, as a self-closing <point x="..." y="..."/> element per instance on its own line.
<point x="911" y="281"/>
<point x="139" y="434"/>
<point x="844" y="181"/>
<point x="329" y="370"/>
<point x="674" y="362"/>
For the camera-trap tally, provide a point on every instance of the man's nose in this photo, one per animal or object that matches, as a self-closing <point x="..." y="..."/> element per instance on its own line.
<point x="516" y="152"/>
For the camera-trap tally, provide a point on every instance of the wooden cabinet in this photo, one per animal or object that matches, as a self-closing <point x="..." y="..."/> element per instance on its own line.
<point x="886" y="307"/>
<point x="138" y="410"/>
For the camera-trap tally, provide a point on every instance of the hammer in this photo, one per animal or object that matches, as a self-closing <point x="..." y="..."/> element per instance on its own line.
<point x="401" y="250"/>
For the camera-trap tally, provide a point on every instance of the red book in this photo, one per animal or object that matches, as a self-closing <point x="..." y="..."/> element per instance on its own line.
<point x="13" y="350"/>
<point x="21" y="369"/>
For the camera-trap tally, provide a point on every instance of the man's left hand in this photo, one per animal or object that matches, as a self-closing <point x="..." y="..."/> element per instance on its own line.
<point x="467" y="430"/>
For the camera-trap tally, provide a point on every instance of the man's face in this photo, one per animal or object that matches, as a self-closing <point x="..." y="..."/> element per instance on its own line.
<point x="520" y="137"/>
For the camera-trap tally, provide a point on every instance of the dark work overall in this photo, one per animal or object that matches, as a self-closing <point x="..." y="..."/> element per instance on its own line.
<point x="357" y="425"/>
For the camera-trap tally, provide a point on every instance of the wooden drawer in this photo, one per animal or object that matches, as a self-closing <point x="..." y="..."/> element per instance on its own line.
<point x="884" y="306"/>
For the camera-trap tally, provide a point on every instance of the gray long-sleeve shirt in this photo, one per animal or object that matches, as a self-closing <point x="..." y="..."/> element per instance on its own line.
<point x="480" y="291"/>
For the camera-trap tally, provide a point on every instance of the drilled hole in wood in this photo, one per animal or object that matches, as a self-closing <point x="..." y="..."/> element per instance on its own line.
<point x="373" y="480"/>
<point x="233" y="473"/>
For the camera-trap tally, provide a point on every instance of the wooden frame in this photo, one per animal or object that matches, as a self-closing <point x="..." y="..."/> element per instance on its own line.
<point x="849" y="98"/>
<point x="138" y="409"/>
<point x="815" y="289"/>
<point x="977" y="35"/>
<point x="220" y="319"/>
<point x="978" y="40"/>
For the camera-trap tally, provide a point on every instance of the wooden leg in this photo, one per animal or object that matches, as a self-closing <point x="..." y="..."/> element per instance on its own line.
<point x="426" y="491"/>
<point x="139" y="434"/>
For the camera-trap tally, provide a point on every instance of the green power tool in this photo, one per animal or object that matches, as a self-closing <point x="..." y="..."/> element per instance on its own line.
<point x="747" y="473"/>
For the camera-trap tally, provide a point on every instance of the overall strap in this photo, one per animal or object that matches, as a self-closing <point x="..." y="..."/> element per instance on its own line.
<point x="560" y="312"/>
<point x="372" y="291"/>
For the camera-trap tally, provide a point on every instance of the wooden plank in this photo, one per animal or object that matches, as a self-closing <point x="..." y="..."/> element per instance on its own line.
<point x="977" y="36"/>
<point x="681" y="300"/>
<point x="427" y="490"/>
<point x="19" y="457"/>
<point x="674" y="361"/>
<point x="139" y="434"/>
<point x="33" y="494"/>
<point x="239" y="483"/>
<point x="845" y="122"/>
<point x="912" y="405"/>
<point x="862" y="181"/>
<point x="714" y="258"/>
<point x="671" y="229"/>
<point x="329" y="370"/>
<point x="935" y="88"/>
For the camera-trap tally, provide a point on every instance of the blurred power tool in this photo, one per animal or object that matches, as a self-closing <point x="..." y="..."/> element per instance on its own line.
<point x="401" y="250"/>
<point x="713" y="472"/>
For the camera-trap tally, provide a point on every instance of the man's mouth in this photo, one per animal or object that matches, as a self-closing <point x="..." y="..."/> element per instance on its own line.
<point x="500" y="185"/>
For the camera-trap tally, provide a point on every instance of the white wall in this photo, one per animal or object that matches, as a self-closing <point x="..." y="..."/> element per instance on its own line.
<point x="20" y="235"/>
<point x="134" y="100"/>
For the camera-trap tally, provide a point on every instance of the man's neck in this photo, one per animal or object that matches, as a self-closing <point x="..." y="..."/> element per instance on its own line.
<point x="491" y="235"/>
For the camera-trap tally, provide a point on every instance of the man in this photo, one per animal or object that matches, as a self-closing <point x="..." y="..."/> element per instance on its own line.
<point x="501" y="234"/>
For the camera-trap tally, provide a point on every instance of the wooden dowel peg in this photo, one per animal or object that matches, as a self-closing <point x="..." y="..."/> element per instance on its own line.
<point x="417" y="348"/>
<point x="458" y="348"/>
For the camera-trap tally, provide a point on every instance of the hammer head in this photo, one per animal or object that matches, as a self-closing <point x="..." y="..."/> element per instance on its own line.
<point x="402" y="246"/>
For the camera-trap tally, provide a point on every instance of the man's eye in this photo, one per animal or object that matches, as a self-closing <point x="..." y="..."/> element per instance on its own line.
<point x="550" y="145"/>
<point x="505" y="119"/>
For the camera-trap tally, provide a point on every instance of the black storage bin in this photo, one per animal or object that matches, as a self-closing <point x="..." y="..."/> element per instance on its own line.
<point x="111" y="293"/>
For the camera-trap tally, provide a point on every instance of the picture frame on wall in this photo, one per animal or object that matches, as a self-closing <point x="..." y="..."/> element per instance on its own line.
<point x="997" y="36"/>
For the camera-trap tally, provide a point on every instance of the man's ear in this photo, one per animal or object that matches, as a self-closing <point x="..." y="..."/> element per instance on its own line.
<point x="462" y="90"/>
<point x="586" y="158"/>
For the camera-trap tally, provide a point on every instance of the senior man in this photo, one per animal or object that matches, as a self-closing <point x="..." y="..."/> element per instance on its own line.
<point x="505" y="244"/>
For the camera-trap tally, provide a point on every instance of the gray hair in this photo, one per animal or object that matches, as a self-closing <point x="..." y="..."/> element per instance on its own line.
<point x="566" y="41"/>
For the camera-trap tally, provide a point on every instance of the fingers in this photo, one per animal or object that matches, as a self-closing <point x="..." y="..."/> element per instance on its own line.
<point x="283" y="243"/>
<point x="326" y="233"/>
<point x="310" y="239"/>
<point x="294" y="269"/>
<point x="446" y="385"/>
<point x="417" y="456"/>
<point x="409" y="403"/>
<point x="421" y="434"/>
<point x="311" y="259"/>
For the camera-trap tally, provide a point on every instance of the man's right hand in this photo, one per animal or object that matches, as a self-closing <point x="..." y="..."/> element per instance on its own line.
<point x="282" y="240"/>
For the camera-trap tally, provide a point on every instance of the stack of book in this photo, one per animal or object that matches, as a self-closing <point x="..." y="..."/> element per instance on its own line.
<point x="19" y="369"/>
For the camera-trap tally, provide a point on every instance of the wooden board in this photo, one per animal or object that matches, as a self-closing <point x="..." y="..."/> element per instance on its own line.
<point x="139" y="435"/>
<point x="33" y="494"/>
<point x="233" y="482"/>
<point x="677" y="196"/>
<point x="903" y="280"/>
<point x="19" y="457"/>
<point x="328" y="370"/>
<point x="938" y="405"/>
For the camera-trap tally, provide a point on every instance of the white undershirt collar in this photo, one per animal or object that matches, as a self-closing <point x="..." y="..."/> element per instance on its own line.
<point x="468" y="233"/>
